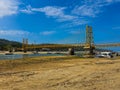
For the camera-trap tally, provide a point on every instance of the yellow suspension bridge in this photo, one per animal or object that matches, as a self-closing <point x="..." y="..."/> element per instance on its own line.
<point x="88" y="45"/>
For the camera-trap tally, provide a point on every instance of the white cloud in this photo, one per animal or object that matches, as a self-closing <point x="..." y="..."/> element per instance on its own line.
<point x="74" y="23"/>
<point x="27" y="10"/>
<point x="75" y="32"/>
<point x="79" y="21"/>
<point x="51" y="11"/>
<point x="8" y="7"/>
<point x="91" y="8"/>
<point x="58" y="13"/>
<point x="48" y="32"/>
<point x="88" y="8"/>
<point x="13" y="33"/>
<point x="85" y="10"/>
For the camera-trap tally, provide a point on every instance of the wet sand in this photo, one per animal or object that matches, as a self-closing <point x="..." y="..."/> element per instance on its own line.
<point x="60" y="73"/>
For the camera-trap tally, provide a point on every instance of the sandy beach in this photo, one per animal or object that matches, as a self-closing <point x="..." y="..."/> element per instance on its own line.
<point x="60" y="73"/>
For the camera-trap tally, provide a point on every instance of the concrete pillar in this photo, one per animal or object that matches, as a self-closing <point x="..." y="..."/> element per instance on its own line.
<point x="71" y="51"/>
<point x="89" y="52"/>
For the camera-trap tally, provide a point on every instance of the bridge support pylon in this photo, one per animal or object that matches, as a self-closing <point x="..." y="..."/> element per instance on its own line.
<point x="71" y="51"/>
<point x="24" y="45"/>
<point x="89" y="45"/>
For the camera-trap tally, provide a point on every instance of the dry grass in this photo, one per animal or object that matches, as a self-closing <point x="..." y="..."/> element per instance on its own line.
<point x="60" y="73"/>
<point x="11" y="64"/>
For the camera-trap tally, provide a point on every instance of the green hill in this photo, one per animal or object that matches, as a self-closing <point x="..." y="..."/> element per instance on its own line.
<point x="6" y="44"/>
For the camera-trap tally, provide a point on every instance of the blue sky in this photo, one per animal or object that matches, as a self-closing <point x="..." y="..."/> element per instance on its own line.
<point x="59" y="21"/>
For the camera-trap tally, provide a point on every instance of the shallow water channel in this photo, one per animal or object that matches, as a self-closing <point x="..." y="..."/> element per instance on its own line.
<point x="19" y="56"/>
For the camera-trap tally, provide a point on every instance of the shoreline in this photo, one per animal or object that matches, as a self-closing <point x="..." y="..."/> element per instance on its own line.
<point x="30" y="52"/>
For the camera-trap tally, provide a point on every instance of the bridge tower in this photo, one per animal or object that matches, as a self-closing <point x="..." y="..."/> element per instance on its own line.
<point x="24" y="45"/>
<point x="89" y="44"/>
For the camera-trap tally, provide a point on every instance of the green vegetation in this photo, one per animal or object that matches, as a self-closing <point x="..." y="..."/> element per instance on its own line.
<point x="7" y="45"/>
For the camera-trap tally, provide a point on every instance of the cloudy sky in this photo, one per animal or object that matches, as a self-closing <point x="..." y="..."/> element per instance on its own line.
<point x="59" y="21"/>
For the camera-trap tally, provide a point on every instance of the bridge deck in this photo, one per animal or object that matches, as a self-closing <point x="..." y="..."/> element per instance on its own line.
<point x="70" y="46"/>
